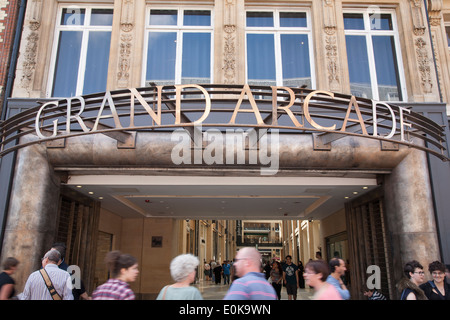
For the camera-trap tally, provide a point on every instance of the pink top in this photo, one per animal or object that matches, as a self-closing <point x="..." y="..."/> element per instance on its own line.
<point x="327" y="292"/>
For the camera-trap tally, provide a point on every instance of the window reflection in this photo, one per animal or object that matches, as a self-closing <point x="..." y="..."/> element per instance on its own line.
<point x="73" y="16"/>
<point x="278" y="54"/>
<point x="197" y="18"/>
<point x="179" y="47"/>
<point x="82" y="53"/>
<point x="261" y="59"/>
<point x="358" y="66"/>
<point x="293" y="19"/>
<point x="259" y="19"/>
<point x="372" y="56"/>
<point x="66" y="71"/>
<point x="163" y="17"/>
<point x="196" y="58"/>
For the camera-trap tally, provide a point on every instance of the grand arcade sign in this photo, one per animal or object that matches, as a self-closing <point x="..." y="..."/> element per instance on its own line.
<point x="329" y="116"/>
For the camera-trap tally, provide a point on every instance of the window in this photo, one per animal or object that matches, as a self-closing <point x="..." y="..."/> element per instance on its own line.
<point x="374" y="59"/>
<point x="278" y="45"/>
<point x="81" y="51"/>
<point x="179" y="47"/>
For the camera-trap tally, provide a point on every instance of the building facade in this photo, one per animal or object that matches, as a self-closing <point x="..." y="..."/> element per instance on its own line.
<point x="353" y="96"/>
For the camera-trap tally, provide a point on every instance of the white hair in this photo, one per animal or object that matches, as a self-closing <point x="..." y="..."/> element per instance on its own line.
<point x="182" y="265"/>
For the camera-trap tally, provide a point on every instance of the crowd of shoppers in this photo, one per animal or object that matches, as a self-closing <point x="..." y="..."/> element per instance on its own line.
<point x="247" y="277"/>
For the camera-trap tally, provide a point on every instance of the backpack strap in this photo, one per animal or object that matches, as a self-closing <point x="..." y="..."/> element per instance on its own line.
<point x="49" y="284"/>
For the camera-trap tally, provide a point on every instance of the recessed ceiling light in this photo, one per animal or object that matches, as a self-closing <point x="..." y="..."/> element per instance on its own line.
<point x="346" y="197"/>
<point x="101" y="198"/>
<point x="355" y="192"/>
<point x="90" y="192"/>
<point x="79" y="186"/>
<point x="365" y="188"/>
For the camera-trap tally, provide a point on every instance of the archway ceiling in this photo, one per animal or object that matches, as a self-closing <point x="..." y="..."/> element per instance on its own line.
<point x="203" y="197"/>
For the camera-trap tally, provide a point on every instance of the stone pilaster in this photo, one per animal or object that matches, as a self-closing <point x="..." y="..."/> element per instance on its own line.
<point x="410" y="213"/>
<point x="31" y="223"/>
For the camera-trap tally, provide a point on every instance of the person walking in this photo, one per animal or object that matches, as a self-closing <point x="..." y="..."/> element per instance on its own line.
<point x="218" y="273"/>
<point x="182" y="270"/>
<point x="207" y="271"/>
<point x="316" y="273"/>
<point x="290" y="278"/>
<point x="409" y="285"/>
<point x="276" y="276"/>
<point x="251" y="284"/>
<point x="301" y="270"/>
<point x="337" y="267"/>
<point x="123" y="269"/>
<point x="438" y="288"/>
<point x="7" y="283"/>
<point x="226" y="272"/>
<point x="50" y="282"/>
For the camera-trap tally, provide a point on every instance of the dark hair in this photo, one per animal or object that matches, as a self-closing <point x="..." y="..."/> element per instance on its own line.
<point x="61" y="247"/>
<point x="335" y="262"/>
<point x="278" y="265"/>
<point x="116" y="261"/>
<point x="365" y="288"/>
<point x="319" y="266"/>
<point x="436" y="266"/>
<point x="9" y="263"/>
<point x="411" y="266"/>
<point x="289" y="256"/>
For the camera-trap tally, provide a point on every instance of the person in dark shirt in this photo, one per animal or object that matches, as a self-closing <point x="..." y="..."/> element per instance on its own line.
<point x="438" y="288"/>
<point x="7" y="283"/>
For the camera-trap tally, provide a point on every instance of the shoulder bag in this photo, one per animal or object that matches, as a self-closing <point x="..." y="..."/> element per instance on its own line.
<point x="49" y="284"/>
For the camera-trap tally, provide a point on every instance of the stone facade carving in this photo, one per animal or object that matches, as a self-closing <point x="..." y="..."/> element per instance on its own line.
<point x="229" y="68"/>
<point x="31" y="46"/>
<point x="229" y="49"/>
<point x="434" y="12"/>
<point x="423" y="61"/>
<point x="126" y="38"/>
<point x="422" y="51"/>
<point x="331" y="49"/>
<point x="417" y="17"/>
<point x="123" y="74"/>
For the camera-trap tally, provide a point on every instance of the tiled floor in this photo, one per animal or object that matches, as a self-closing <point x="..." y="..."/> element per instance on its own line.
<point x="212" y="291"/>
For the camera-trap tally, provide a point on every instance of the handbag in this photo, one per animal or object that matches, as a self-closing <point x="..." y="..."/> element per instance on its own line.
<point x="49" y="284"/>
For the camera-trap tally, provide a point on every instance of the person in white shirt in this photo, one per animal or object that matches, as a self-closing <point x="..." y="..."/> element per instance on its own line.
<point x="35" y="287"/>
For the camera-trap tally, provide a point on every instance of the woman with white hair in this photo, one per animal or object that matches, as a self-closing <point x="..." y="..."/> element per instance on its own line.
<point x="182" y="270"/>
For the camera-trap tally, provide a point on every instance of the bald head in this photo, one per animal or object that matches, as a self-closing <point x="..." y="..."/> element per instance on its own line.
<point x="248" y="260"/>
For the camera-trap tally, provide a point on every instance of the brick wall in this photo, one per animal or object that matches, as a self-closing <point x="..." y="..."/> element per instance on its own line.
<point x="8" y="19"/>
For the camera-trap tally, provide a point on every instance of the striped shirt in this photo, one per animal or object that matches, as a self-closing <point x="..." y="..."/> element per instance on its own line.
<point x="252" y="286"/>
<point x="113" y="289"/>
<point x="36" y="289"/>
